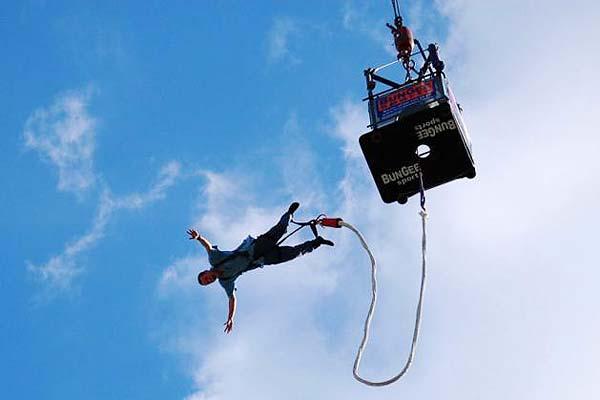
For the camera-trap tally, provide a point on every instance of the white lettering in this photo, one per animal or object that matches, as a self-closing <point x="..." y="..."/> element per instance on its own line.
<point x="433" y="127"/>
<point x="403" y="175"/>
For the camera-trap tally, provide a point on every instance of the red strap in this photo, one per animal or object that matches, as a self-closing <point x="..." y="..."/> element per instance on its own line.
<point x="331" y="222"/>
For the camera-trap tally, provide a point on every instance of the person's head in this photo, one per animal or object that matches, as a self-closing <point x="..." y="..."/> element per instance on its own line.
<point x="207" y="277"/>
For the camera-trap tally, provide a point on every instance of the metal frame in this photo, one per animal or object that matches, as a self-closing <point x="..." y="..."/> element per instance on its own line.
<point x="432" y="66"/>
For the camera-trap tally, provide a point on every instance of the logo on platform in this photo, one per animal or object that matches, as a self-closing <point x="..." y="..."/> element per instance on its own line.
<point x="402" y="175"/>
<point x="433" y="127"/>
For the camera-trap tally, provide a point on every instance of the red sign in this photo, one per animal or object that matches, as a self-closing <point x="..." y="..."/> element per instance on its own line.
<point x="405" y="95"/>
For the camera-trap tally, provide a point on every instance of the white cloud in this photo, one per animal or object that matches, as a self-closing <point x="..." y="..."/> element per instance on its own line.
<point x="60" y="271"/>
<point x="512" y="284"/>
<point x="349" y="121"/>
<point x="64" y="134"/>
<point x="355" y="18"/>
<point x="273" y="302"/>
<point x="299" y="167"/>
<point x="180" y="277"/>
<point x="421" y="16"/>
<point x="278" y="40"/>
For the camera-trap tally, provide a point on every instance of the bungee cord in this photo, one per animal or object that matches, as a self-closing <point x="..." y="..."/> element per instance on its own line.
<point x="367" y="324"/>
<point x="338" y="222"/>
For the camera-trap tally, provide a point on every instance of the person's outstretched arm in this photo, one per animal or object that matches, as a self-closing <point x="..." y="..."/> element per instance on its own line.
<point x="232" y="306"/>
<point x="196" y="236"/>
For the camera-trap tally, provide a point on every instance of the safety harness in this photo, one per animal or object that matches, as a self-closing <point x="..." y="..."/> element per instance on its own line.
<point x="237" y="253"/>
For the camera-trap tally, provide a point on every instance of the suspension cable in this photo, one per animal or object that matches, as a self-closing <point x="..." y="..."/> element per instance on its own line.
<point x="396" y="8"/>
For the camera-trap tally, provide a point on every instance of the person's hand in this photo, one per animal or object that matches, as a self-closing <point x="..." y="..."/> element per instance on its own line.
<point x="228" y="326"/>
<point x="193" y="234"/>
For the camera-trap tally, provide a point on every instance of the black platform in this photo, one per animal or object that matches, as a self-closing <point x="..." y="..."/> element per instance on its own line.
<point x="435" y="124"/>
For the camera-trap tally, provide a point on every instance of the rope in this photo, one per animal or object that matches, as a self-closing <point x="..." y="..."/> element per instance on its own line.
<point x="367" y="325"/>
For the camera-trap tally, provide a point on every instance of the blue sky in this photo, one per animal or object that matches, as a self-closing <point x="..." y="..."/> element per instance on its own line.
<point x="125" y="123"/>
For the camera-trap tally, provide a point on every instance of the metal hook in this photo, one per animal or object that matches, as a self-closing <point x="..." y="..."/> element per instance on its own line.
<point x="422" y="190"/>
